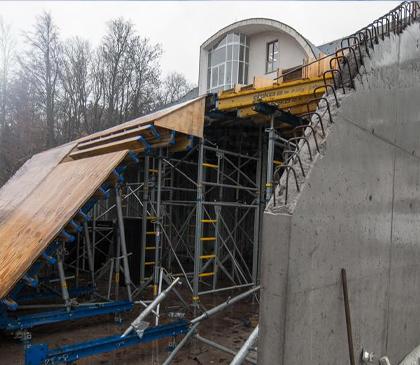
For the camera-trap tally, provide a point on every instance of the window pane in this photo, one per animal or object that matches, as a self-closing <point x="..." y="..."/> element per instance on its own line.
<point x="242" y="53"/>
<point x="229" y="73"/>
<point x="236" y="52"/>
<point x="218" y="56"/>
<point x="234" y="72"/>
<point x="241" y="73"/>
<point x="236" y="37"/>
<point x="242" y="38"/>
<point x="230" y="38"/>
<point x="246" y="75"/>
<point x="209" y="59"/>
<point x="222" y="74"/>
<point x="208" y="78"/>
<point x="214" y="76"/>
<point x="246" y="54"/>
<point x="229" y="53"/>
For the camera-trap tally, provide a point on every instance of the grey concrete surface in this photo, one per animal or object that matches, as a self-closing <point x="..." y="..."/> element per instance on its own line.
<point x="359" y="210"/>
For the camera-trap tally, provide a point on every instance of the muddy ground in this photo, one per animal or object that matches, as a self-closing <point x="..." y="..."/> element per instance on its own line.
<point x="229" y="328"/>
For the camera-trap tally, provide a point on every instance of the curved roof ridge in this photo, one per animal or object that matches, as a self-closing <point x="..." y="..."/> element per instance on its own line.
<point x="309" y="47"/>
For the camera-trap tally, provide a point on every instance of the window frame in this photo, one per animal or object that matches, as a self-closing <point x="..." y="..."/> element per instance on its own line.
<point x="269" y="70"/>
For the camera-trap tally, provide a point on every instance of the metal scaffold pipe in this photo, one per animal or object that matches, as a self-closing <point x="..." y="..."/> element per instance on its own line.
<point x="63" y="283"/>
<point x="220" y="347"/>
<point x="243" y="352"/>
<point x="135" y="324"/>
<point x="89" y="250"/>
<point x="181" y="344"/>
<point x="270" y="158"/>
<point x="120" y="217"/>
<point x="196" y="321"/>
<point x="223" y="305"/>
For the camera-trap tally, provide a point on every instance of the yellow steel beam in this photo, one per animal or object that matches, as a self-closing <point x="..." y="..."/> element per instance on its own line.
<point x="286" y="95"/>
<point x="296" y="106"/>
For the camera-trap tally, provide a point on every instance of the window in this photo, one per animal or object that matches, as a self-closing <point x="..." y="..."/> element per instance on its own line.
<point x="228" y="62"/>
<point x="272" y="62"/>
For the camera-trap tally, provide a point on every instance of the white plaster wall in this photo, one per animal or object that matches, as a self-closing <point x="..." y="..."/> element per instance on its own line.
<point x="290" y="53"/>
<point x="202" y="72"/>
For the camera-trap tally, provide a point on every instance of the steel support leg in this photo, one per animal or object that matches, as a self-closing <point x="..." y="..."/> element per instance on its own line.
<point x="270" y="158"/>
<point x="123" y="242"/>
<point x="256" y="238"/>
<point x="144" y="218"/>
<point x="89" y="252"/>
<point x="198" y="218"/>
<point x="157" y="227"/>
<point x="63" y="283"/>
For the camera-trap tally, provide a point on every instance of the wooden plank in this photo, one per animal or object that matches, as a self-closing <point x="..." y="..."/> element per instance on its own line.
<point x="37" y="220"/>
<point x="171" y="118"/>
<point x="261" y="81"/>
<point x="188" y="120"/>
<point x="27" y="178"/>
<point x="131" y="143"/>
<point x="136" y="131"/>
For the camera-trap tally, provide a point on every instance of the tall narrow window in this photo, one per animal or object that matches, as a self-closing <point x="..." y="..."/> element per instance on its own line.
<point x="272" y="62"/>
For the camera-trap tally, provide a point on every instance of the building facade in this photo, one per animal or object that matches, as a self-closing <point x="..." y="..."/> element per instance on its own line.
<point x="249" y="48"/>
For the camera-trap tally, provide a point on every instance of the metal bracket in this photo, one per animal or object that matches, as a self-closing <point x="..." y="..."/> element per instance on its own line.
<point x="140" y="327"/>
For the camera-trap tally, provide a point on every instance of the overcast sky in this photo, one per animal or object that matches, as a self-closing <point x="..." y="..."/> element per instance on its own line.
<point x="180" y="27"/>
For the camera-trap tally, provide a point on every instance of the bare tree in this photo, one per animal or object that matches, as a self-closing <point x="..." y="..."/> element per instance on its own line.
<point x="40" y="66"/>
<point x="130" y="72"/>
<point x="6" y="55"/>
<point x="76" y="88"/>
<point x="60" y="91"/>
<point x="173" y="88"/>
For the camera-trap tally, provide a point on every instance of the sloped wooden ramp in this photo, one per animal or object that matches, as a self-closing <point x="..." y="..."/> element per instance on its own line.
<point x="51" y="188"/>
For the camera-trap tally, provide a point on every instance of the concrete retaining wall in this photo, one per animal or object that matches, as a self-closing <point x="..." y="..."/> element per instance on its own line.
<point x="359" y="210"/>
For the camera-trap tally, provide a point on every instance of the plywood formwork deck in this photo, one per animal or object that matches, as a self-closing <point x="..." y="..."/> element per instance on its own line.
<point x="37" y="220"/>
<point x="29" y="176"/>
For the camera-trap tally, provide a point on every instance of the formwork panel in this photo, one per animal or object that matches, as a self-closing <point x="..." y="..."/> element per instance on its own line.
<point x="28" y="230"/>
<point x="29" y="176"/>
